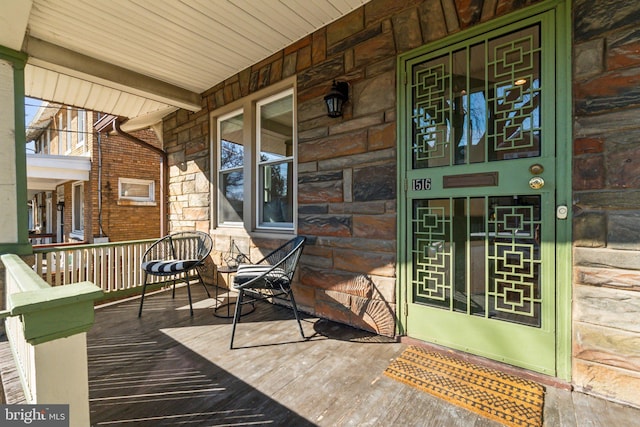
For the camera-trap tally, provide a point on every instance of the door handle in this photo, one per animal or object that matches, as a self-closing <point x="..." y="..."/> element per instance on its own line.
<point x="536" y="183"/>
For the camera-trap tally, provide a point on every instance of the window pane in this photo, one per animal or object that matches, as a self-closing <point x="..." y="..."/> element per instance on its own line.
<point x="231" y="176"/>
<point x="276" y="129"/>
<point x="276" y="139"/>
<point x="232" y="193"/>
<point x="136" y="190"/>
<point x="277" y="203"/>
<point x="78" y="212"/>
<point x="231" y="143"/>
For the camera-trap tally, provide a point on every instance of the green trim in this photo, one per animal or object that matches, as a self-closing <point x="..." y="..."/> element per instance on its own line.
<point x="563" y="253"/>
<point x="564" y="157"/>
<point x="13" y="55"/>
<point x="48" y="313"/>
<point x="19" y="59"/>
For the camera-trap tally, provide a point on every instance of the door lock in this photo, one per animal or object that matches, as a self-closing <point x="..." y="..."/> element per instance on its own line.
<point x="536" y="183"/>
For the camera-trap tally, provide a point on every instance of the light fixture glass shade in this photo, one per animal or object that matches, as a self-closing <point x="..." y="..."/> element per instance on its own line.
<point x="336" y="98"/>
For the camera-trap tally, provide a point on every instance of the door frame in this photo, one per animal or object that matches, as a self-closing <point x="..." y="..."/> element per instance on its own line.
<point x="563" y="25"/>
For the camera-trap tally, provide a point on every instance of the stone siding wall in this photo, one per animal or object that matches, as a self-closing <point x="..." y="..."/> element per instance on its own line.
<point x="606" y="180"/>
<point x="346" y="167"/>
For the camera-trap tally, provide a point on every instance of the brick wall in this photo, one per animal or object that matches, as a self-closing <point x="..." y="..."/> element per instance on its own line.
<point x="346" y="167"/>
<point x="121" y="158"/>
<point x="606" y="180"/>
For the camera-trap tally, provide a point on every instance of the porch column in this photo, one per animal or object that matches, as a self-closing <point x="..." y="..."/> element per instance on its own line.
<point x="14" y="236"/>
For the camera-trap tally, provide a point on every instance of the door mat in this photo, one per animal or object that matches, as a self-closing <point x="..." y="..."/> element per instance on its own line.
<point x="496" y="395"/>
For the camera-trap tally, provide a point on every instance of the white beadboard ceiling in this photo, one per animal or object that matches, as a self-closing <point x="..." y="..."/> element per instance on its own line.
<point x="144" y="58"/>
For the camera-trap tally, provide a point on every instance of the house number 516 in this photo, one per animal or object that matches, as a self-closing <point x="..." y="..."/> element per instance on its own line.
<point x="421" y="184"/>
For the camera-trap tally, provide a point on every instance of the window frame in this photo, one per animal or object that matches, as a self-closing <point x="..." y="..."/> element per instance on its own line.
<point x="69" y="139"/>
<point x="289" y="160"/>
<point x="81" y="119"/>
<point x="251" y="168"/>
<point x="77" y="233"/>
<point x="135" y="200"/>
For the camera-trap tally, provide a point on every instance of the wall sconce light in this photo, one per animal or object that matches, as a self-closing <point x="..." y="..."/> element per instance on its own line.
<point x="60" y="206"/>
<point x="335" y="99"/>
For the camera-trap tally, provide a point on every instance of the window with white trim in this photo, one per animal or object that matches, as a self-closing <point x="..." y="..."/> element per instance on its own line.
<point x="136" y="190"/>
<point x="256" y="151"/>
<point x="61" y="147"/>
<point x="77" y="213"/>
<point x="82" y="121"/>
<point x="69" y="141"/>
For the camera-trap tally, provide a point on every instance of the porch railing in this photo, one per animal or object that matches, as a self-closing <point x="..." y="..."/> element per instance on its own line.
<point x="111" y="266"/>
<point x="46" y="329"/>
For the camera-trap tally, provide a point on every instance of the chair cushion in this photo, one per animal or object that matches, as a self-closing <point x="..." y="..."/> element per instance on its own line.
<point x="247" y="272"/>
<point x="160" y="267"/>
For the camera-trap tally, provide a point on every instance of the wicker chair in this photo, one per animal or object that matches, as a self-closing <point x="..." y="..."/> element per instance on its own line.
<point x="269" y="278"/>
<point x="177" y="254"/>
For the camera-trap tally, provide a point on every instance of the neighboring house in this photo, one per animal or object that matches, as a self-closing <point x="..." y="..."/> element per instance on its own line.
<point x="118" y="194"/>
<point x="479" y="192"/>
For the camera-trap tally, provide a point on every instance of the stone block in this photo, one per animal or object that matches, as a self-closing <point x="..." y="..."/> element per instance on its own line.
<point x="607" y="346"/>
<point x="345" y="27"/>
<point x="623" y="167"/>
<point x="588" y="146"/>
<point x="320" y="192"/>
<point x="199" y="200"/>
<point x="328" y="308"/>
<point x="364" y="122"/>
<point x="313" y="209"/>
<point x="609" y="277"/>
<point x="378" y="263"/>
<point x="364" y="208"/>
<point x="623" y="231"/>
<point x="332" y="225"/>
<point x="623" y="49"/>
<point x="381" y="137"/>
<point x="374" y="315"/>
<point x="594" y="18"/>
<point x="374" y="95"/>
<point x="378" y="227"/>
<point x="611" y="308"/>
<point x="374" y="183"/>
<point x="589" y="173"/>
<point x="590" y="230"/>
<point x="319" y="46"/>
<point x="376" y="48"/>
<point x="450" y="15"/>
<point x="432" y="20"/>
<point x="588" y="59"/>
<point x="610" y="91"/>
<point x="333" y="146"/>
<point x="615" y="199"/>
<point x="607" y="123"/>
<point x="406" y="30"/>
<point x="469" y="12"/>
<point x="358" y="160"/>
<point x="609" y="382"/>
<point x="196" y="214"/>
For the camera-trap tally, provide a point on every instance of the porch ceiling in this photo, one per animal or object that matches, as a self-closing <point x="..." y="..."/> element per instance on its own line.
<point x="143" y="59"/>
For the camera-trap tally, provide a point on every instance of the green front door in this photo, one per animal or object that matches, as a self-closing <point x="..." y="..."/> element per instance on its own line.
<point x="479" y="211"/>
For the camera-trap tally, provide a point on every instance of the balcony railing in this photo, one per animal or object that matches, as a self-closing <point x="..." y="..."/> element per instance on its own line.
<point x="113" y="267"/>
<point x="46" y="329"/>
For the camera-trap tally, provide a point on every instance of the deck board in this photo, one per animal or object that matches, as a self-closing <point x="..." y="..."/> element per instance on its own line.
<point x="170" y="369"/>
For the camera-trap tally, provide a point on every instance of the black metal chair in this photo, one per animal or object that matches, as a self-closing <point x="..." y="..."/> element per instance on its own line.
<point x="177" y="254"/>
<point x="269" y="278"/>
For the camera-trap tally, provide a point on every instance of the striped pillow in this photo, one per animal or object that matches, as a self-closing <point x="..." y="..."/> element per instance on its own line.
<point x="247" y="272"/>
<point x="168" y="267"/>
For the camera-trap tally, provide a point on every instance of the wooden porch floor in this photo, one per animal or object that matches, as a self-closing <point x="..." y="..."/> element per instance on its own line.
<point x="170" y="369"/>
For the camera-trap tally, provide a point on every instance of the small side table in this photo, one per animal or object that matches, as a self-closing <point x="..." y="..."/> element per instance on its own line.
<point x="228" y="271"/>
